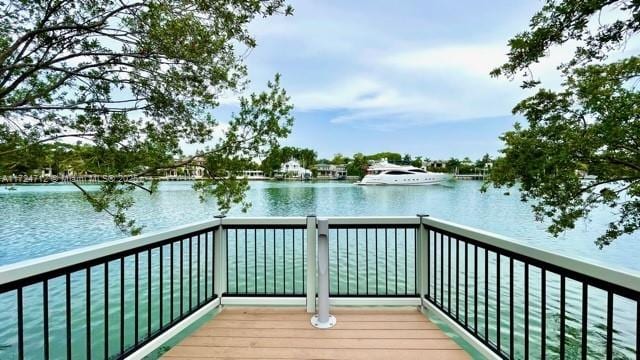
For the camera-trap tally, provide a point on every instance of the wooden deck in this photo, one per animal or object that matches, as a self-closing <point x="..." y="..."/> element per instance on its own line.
<point x="285" y="333"/>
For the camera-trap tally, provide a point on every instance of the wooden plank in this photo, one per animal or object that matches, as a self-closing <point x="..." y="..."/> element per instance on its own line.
<point x="342" y="325"/>
<point x="417" y="317"/>
<point x="323" y="334"/>
<point x="425" y="344"/>
<point x="286" y="333"/>
<point x="192" y="352"/>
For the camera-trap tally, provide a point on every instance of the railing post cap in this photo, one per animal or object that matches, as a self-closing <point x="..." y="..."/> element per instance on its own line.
<point x="422" y="215"/>
<point x="311" y="215"/>
<point x="220" y="216"/>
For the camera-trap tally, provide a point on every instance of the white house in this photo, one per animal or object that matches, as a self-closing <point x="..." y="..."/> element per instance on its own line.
<point x="292" y="168"/>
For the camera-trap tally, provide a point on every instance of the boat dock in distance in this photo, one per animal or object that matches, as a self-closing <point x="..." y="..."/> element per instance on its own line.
<point x="470" y="176"/>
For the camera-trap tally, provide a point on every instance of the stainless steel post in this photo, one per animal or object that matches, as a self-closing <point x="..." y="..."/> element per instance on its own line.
<point x="323" y="320"/>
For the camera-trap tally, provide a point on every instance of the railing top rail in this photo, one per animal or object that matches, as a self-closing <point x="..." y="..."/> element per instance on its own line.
<point x="265" y="221"/>
<point x="625" y="278"/>
<point x="373" y="220"/>
<point x="46" y="264"/>
<point x="333" y="221"/>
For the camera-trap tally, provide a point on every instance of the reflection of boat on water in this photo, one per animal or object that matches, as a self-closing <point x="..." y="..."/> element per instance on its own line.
<point x="383" y="173"/>
<point x="10" y="187"/>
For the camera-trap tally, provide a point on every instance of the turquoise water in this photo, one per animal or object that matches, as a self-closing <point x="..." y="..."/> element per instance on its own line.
<point x="39" y="220"/>
<point x="44" y="219"/>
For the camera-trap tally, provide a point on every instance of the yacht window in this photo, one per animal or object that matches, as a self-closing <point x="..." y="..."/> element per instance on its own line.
<point x="417" y="171"/>
<point x="395" y="172"/>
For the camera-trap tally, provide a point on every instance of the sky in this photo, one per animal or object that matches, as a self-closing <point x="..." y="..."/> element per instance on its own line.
<point x="409" y="77"/>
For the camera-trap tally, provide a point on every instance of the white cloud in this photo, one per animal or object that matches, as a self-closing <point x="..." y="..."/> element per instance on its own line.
<point x="474" y="60"/>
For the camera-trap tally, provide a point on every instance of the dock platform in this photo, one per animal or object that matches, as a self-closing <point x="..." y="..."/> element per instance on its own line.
<point x="286" y="333"/>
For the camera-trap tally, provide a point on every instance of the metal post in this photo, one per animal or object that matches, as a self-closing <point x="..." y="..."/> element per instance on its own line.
<point x="311" y="263"/>
<point x="220" y="274"/>
<point x="323" y="320"/>
<point x="421" y="249"/>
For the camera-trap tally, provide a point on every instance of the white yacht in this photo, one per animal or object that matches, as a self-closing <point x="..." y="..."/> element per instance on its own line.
<point x="384" y="173"/>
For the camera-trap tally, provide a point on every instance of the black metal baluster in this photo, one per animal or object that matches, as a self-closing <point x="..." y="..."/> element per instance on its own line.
<point x="386" y="263"/>
<point x="206" y="267"/>
<point x="293" y="251"/>
<point x="284" y="264"/>
<point x="357" y="266"/>
<point x="45" y="316"/>
<point x="88" y="313"/>
<point x="236" y="246"/>
<point x="442" y="270"/>
<point x="498" y="321"/>
<point x="348" y="274"/>
<point x="171" y="282"/>
<point x="160" y="288"/>
<point x="406" y="279"/>
<point x="486" y="295"/>
<point x="428" y="262"/>
<point x="246" y="263"/>
<point x="106" y="310"/>
<point x="226" y="248"/>
<point x="562" y="316"/>
<point x="376" y="238"/>
<point x="457" y="280"/>
<point x="264" y="256"/>
<point x="585" y="308"/>
<point x="20" y="324"/>
<point x="255" y="260"/>
<point x="198" y="272"/>
<point x="181" y="272"/>
<point x="366" y="257"/>
<point x="190" y="273"/>
<point x="466" y="284"/>
<point x="68" y="315"/>
<point x="274" y="262"/>
<point x="122" y="305"/>
<point x="449" y="274"/>
<point x="526" y="311"/>
<point x="609" y="325"/>
<point x="543" y="314"/>
<point x="304" y="268"/>
<point x="213" y="264"/>
<point x="395" y="261"/>
<point x="637" y="328"/>
<point x="148" y="293"/>
<point x="338" y="258"/>
<point x="511" y="315"/>
<point x="435" y="266"/>
<point x="475" y="289"/>
<point x="135" y="294"/>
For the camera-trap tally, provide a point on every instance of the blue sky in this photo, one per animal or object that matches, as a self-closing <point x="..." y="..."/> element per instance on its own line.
<point x="410" y="76"/>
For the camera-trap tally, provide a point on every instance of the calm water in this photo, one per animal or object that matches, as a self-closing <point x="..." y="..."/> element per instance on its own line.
<point x="44" y="219"/>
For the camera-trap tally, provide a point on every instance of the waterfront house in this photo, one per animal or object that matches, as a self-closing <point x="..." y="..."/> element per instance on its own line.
<point x="435" y="164"/>
<point x="254" y="175"/>
<point x="330" y="171"/>
<point x="293" y="169"/>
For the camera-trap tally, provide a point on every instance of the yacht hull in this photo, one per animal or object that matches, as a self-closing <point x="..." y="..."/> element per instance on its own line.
<point x="401" y="180"/>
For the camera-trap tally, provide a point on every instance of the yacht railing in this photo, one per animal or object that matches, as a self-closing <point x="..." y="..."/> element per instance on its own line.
<point x="126" y="298"/>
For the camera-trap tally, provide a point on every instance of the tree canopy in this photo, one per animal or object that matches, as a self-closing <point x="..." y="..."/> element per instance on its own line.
<point x="137" y="80"/>
<point x="590" y="125"/>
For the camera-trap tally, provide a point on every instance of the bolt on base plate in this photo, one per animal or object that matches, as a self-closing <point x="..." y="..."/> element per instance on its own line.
<point x="327" y="325"/>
